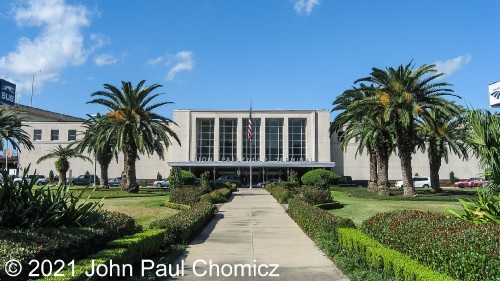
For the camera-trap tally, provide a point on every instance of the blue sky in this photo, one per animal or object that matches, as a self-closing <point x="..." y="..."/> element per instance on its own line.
<point x="282" y="54"/>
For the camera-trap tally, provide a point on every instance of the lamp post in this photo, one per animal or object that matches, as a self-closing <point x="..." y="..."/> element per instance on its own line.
<point x="32" y="84"/>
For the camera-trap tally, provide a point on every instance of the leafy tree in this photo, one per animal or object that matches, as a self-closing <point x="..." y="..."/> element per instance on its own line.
<point x="405" y="94"/>
<point x="135" y="126"/>
<point x="62" y="165"/>
<point x="11" y="129"/>
<point x="159" y="177"/>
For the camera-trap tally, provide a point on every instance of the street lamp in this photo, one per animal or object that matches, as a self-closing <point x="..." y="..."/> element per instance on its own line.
<point x="32" y="83"/>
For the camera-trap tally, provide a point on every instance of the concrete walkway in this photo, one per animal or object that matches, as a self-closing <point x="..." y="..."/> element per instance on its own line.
<point x="253" y="232"/>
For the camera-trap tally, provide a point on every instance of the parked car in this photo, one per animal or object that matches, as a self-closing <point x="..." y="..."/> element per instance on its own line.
<point x="424" y="182"/>
<point x="229" y="178"/>
<point x="472" y="182"/>
<point x="115" y="181"/>
<point x="84" y="180"/>
<point x="40" y="179"/>
<point x="161" y="183"/>
<point x="271" y="181"/>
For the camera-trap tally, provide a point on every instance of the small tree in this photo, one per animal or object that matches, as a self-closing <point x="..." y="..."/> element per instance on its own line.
<point x="175" y="178"/>
<point x="51" y="175"/>
<point x="321" y="178"/>
<point x="159" y="177"/>
<point x="452" y="177"/>
<point x="205" y="179"/>
<point x="293" y="178"/>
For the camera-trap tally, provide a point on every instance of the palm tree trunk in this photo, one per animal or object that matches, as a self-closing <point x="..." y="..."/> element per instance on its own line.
<point x="372" y="184"/>
<point x="104" y="174"/>
<point x="130" y="155"/>
<point x="62" y="178"/>
<point x="434" y="166"/>
<point x="383" y="172"/>
<point x="405" y="147"/>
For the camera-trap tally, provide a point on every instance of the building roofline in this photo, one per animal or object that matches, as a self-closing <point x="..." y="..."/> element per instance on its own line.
<point x="45" y="113"/>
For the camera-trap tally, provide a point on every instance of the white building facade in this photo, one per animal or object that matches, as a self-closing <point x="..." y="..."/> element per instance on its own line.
<point x="217" y="141"/>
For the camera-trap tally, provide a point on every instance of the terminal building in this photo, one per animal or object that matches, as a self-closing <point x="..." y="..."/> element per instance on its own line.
<point x="217" y="141"/>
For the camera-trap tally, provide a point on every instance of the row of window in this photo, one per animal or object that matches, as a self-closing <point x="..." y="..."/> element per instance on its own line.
<point x="54" y="135"/>
<point x="251" y="147"/>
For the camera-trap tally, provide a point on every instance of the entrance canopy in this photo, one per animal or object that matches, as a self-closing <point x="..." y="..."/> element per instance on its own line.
<point x="257" y="164"/>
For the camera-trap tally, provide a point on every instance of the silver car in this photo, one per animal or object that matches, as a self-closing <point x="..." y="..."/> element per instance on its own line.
<point x="161" y="183"/>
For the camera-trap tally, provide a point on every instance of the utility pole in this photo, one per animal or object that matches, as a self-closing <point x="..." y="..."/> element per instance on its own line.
<point x="32" y="84"/>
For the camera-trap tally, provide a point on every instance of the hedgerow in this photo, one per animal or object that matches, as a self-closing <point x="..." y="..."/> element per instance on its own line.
<point x="459" y="249"/>
<point x="187" y="195"/>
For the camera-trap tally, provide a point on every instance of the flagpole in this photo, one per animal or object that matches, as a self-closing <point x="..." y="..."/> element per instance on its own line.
<point x="250" y="136"/>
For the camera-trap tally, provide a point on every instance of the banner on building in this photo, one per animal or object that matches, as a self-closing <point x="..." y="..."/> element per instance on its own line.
<point x="8" y="92"/>
<point x="494" y="92"/>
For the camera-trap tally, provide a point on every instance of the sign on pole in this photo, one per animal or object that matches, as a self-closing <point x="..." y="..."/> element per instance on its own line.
<point x="8" y="92"/>
<point x="494" y="91"/>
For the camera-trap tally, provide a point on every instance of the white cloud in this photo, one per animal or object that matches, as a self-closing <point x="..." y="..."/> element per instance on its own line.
<point x="304" y="7"/>
<point x="181" y="61"/>
<point x="59" y="44"/>
<point x="452" y="65"/>
<point x="105" y="59"/>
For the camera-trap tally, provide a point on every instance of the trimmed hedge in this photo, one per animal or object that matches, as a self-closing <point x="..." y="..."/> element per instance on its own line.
<point x="314" y="220"/>
<point x="390" y="261"/>
<point x="279" y="192"/>
<point x="127" y="250"/>
<point x="460" y="249"/>
<point x="63" y="243"/>
<point x="315" y="195"/>
<point x="182" y="227"/>
<point x="174" y="206"/>
<point x="187" y="195"/>
<point x="217" y="196"/>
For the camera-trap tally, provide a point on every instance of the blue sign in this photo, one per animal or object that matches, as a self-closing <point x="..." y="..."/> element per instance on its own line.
<point x="8" y="92"/>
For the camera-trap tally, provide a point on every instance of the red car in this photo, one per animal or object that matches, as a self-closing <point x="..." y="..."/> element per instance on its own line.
<point x="472" y="182"/>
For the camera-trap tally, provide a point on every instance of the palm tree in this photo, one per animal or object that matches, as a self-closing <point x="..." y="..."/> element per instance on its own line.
<point x="135" y="126"/>
<point x="11" y="130"/>
<point x="63" y="154"/>
<point x="484" y="137"/>
<point x="94" y="141"/>
<point x="441" y="135"/>
<point x="405" y="95"/>
<point x="371" y="131"/>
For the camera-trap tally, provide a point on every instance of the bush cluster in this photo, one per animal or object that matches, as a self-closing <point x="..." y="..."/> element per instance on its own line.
<point x="62" y="243"/>
<point x="182" y="227"/>
<point x="186" y="177"/>
<point x="22" y="206"/>
<point x="217" y="196"/>
<point x="314" y="220"/>
<point x="314" y="195"/>
<point x="391" y="262"/>
<point x="187" y="195"/>
<point x="284" y="192"/>
<point x="459" y="249"/>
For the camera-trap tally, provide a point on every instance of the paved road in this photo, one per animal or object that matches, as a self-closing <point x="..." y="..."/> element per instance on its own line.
<point x="250" y="233"/>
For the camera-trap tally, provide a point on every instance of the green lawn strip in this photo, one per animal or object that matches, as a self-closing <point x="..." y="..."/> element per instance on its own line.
<point x="423" y="194"/>
<point x="360" y="209"/>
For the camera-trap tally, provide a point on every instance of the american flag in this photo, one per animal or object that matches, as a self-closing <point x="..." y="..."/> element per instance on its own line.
<point x="249" y="133"/>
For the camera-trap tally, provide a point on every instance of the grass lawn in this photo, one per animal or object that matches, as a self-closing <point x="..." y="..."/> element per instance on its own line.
<point x="359" y="204"/>
<point x="144" y="206"/>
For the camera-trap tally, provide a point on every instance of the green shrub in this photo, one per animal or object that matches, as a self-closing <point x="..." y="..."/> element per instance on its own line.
<point x="182" y="227"/>
<point x="22" y="206"/>
<point x="314" y="220"/>
<point x="174" y="206"/>
<point x="485" y="208"/>
<point x="218" y="184"/>
<point x="314" y="195"/>
<point x="217" y="196"/>
<point x="158" y="176"/>
<point x="454" y="247"/>
<point x="293" y="177"/>
<point x="279" y="192"/>
<point x="321" y="178"/>
<point x="62" y="243"/>
<point x="389" y="261"/>
<point x="187" y="195"/>
<point x="185" y="177"/>
<point x="205" y="179"/>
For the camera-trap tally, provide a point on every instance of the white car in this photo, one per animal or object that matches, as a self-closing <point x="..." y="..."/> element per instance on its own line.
<point x="424" y="182"/>
<point x="162" y="183"/>
<point x="41" y="180"/>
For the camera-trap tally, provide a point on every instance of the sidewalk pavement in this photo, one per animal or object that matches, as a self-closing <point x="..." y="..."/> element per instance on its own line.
<point x="249" y="236"/>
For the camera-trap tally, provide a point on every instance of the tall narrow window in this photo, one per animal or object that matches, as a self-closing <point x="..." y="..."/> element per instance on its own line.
<point x="274" y="139"/>
<point x="205" y="139"/>
<point x="54" y="135"/>
<point x="251" y="149"/>
<point x="227" y="138"/>
<point x="37" y="135"/>
<point x="71" y="135"/>
<point x="297" y="139"/>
